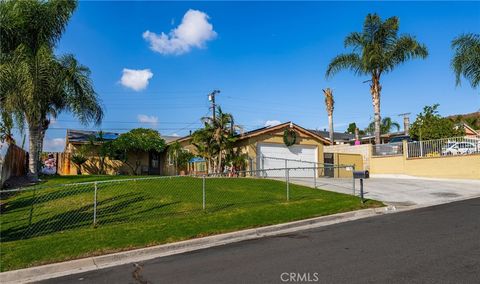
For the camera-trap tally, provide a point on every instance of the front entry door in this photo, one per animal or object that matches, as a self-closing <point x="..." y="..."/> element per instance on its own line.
<point x="154" y="163"/>
<point x="328" y="160"/>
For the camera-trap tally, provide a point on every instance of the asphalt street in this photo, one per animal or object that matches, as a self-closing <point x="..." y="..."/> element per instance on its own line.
<point x="439" y="244"/>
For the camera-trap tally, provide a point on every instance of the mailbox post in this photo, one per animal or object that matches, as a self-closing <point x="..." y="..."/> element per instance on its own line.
<point x="361" y="175"/>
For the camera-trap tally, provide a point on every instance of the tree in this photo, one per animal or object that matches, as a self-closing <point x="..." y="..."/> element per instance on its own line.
<point x="135" y="143"/>
<point x="352" y="127"/>
<point x="35" y="84"/>
<point x="237" y="159"/>
<point x="329" y="104"/>
<point x="385" y="126"/>
<point x="100" y="148"/>
<point x="430" y="125"/>
<point x="377" y="50"/>
<point x="466" y="60"/>
<point x="6" y="129"/>
<point x="222" y="129"/>
<point x="79" y="158"/>
<point x="215" y="139"/>
<point x="180" y="156"/>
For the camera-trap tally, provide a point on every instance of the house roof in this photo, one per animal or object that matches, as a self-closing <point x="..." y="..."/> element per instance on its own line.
<point x="83" y="136"/>
<point x="262" y="130"/>
<point x="468" y="128"/>
<point x="336" y="135"/>
<point x="169" y="139"/>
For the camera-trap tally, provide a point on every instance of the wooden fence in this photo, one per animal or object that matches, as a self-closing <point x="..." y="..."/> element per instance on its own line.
<point x="13" y="163"/>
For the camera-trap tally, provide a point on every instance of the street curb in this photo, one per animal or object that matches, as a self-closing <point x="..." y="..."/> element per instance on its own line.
<point x="55" y="270"/>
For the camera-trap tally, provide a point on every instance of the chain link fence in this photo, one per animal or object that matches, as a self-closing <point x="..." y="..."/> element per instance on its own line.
<point x="42" y="210"/>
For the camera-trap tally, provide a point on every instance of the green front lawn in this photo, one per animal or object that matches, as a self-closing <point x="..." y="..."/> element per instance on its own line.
<point x="55" y="222"/>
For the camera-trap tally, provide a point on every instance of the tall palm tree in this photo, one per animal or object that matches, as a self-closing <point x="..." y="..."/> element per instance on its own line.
<point x="329" y="102"/>
<point x="466" y="61"/>
<point x="377" y="50"/>
<point x="36" y="85"/>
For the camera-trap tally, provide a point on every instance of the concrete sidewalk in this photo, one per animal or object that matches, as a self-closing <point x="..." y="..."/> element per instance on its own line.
<point x="401" y="191"/>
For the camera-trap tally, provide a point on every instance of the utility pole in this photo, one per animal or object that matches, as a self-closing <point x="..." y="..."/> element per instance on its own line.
<point x="211" y="98"/>
<point x="406" y="122"/>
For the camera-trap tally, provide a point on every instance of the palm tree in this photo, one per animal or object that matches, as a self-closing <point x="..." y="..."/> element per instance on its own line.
<point x="206" y="147"/>
<point x="329" y="102"/>
<point x="79" y="158"/>
<point x="466" y="61"/>
<point x="36" y="85"/>
<point x="223" y="131"/>
<point x="215" y="140"/>
<point x="377" y="50"/>
<point x="385" y="126"/>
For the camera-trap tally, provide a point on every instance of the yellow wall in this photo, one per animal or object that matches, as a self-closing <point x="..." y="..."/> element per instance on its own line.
<point x="111" y="167"/>
<point x="347" y="159"/>
<point x="460" y="167"/>
<point x="387" y="165"/>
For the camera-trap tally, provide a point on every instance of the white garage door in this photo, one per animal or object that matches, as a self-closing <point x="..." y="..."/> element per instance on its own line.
<point x="274" y="156"/>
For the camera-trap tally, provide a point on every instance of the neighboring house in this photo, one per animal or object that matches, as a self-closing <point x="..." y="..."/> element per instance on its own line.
<point x="150" y="162"/>
<point x="268" y="142"/>
<point x="469" y="131"/>
<point x="338" y="137"/>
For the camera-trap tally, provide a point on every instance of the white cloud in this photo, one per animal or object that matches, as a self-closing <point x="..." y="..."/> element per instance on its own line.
<point x="54" y="145"/>
<point x="143" y="118"/>
<point x="136" y="79"/>
<point x="193" y="31"/>
<point x="269" y="123"/>
<point x="175" y="135"/>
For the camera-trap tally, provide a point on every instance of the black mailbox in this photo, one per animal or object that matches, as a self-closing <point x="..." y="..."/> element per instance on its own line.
<point x="361" y="174"/>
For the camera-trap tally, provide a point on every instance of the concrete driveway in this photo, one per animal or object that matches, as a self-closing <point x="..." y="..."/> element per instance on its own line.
<point x="401" y="191"/>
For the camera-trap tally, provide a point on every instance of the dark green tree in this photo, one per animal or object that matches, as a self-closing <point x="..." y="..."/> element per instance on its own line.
<point x="133" y="144"/>
<point x="377" y="50"/>
<point x="429" y="124"/>
<point x="180" y="156"/>
<point x="215" y="139"/>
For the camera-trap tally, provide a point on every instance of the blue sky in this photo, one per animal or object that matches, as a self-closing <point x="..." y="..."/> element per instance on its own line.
<point x="267" y="58"/>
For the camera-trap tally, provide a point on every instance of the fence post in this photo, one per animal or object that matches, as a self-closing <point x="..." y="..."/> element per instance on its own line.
<point x="203" y="192"/>
<point x="95" y="206"/>
<point x="314" y="176"/>
<point x="287" y="177"/>
<point x="361" y="190"/>
<point x="353" y="179"/>
<point x="263" y="167"/>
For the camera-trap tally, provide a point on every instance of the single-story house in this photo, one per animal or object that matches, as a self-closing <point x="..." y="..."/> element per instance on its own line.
<point x="150" y="162"/>
<point x="266" y="149"/>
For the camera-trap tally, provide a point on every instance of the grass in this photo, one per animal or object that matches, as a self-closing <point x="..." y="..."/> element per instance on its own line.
<point x="55" y="221"/>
